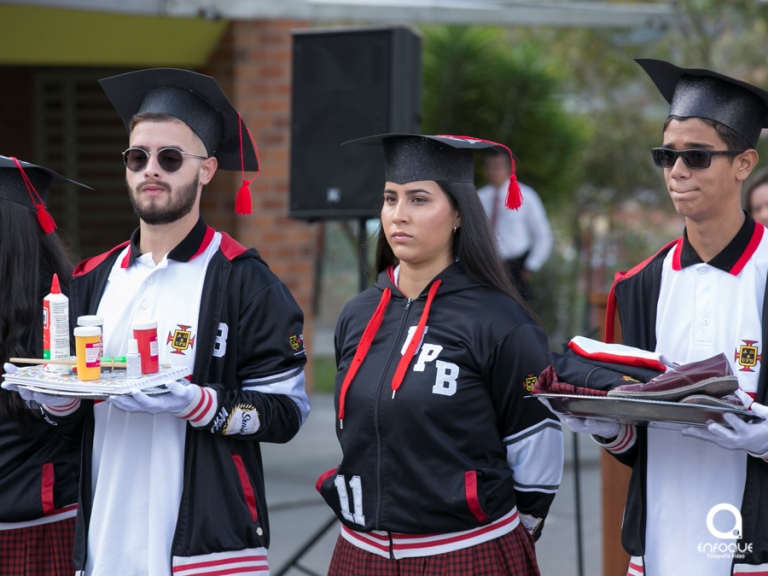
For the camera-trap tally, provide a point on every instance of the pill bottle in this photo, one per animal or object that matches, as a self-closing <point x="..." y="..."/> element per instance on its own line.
<point x="145" y="332"/>
<point x="88" y="352"/>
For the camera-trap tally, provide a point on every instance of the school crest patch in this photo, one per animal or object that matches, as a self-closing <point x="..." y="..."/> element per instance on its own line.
<point x="748" y="356"/>
<point x="530" y="380"/>
<point x="180" y="339"/>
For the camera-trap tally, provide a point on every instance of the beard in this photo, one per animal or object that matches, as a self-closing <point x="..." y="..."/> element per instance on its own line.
<point x="179" y="206"/>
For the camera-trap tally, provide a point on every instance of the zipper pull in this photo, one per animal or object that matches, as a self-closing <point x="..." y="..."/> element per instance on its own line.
<point x="408" y="303"/>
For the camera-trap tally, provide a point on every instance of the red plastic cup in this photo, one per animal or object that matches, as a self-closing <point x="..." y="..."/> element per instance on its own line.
<point x="146" y="335"/>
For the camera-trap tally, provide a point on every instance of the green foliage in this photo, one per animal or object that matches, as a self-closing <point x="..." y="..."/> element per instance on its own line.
<point x="478" y="83"/>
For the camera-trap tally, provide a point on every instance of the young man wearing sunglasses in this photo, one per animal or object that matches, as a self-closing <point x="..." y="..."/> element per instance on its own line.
<point x="174" y="482"/>
<point x="697" y="496"/>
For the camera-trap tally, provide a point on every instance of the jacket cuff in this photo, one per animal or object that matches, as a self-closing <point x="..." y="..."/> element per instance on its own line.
<point x="623" y="442"/>
<point x="763" y="457"/>
<point x="65" y="410"/>
<point x="201" y="410"/>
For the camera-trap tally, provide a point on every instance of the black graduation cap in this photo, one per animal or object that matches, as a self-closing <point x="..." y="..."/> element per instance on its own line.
<point x="28" y="184"/>
<point x="443" y="157"/>
<point x="198" y="101"/>
<point x="701" y="93"/>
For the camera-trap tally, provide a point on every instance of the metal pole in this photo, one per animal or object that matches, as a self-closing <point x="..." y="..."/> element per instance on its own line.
<point x="577" y="503"/>
<point x="293" y="561"/>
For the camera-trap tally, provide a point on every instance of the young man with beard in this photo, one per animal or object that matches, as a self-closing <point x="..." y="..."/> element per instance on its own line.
<point x="697" y="497"/>
<point x="174" y="482"/>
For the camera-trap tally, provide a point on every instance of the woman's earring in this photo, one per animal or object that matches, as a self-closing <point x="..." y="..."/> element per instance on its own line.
<point x="455" y="228"/>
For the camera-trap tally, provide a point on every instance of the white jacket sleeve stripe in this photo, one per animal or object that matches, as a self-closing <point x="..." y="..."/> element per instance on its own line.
<point x="531" y="472"/>
<point x="290" y="384"/>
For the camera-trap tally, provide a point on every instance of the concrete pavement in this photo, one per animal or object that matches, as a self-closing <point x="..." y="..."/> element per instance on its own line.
<point x="297" y="511"/>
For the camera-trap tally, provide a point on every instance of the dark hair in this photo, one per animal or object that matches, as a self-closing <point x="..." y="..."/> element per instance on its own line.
<point x="473" y="243"/>
<point x="728" y="135"/>
<point x="28" y="260"/>
<point x="150" y="117"/>
<point x="758" y="179"/>
<point x="496" y="153"/>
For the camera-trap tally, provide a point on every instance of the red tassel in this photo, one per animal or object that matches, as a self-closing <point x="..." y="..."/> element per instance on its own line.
<point x="45" y="219"/>
<point x="514" y="197"/>
<point x="243" y="200"/>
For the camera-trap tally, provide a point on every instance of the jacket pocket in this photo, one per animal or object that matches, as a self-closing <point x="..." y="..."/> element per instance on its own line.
<point x="471" y="494"/>
<point x="245" y="483"/>
<point x="323" y="477"/>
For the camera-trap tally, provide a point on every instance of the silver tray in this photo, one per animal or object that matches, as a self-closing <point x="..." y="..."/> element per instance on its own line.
<point x="643" y="412"/>
<point x="111" y="382"/>
<point x="92" y="394"/>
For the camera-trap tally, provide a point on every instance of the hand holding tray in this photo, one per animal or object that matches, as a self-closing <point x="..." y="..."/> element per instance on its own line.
<point x="643" y="412"/>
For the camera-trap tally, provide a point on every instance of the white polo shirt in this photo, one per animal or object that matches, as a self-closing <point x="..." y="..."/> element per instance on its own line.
<point x="138" y="457"/>
<point x="703" y="309"/>
<point x="521" y="231"/>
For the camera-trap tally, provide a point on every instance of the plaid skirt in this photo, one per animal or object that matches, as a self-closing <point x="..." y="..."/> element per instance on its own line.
<point x="512" y="554"/>
<point x="44" y="550"/>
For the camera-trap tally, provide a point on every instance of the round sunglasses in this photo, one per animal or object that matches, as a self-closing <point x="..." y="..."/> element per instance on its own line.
<point x="170" y="159"/>
<point x="696" y="159"/>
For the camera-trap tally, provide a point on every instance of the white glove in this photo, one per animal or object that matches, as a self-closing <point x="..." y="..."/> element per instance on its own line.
<point x="749" y="436"/>
<point x="585" y="425"/>
<point x="592" y="426"/>
<point x="30" y="396"/>
<point x="178" y="398"/>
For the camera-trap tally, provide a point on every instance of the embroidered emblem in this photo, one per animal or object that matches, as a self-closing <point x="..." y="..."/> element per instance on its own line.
<point x="747" y="355"/>
<point x="530" y="380"/>
<point x="180" y="339"/>
<point x="244" y="419"/>
<point x="295" y="341"/>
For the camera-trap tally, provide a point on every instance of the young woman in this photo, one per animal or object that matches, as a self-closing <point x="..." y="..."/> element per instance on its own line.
<point x="38" y="467"/>
<point x="448" y="467"/>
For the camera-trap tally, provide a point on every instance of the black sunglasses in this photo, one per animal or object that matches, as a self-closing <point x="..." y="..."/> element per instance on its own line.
<point x="170" y="159"/>
<point x="695" y="158"/>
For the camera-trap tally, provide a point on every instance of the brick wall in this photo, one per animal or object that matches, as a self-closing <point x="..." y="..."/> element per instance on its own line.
<point x="253" y="65"/>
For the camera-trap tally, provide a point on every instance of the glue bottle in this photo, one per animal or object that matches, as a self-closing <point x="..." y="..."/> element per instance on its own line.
<point x="56" y="327"/>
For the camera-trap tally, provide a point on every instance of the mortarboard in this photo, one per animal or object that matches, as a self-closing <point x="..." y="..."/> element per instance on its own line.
<point x="28" y="184"/>
<point x="443" y="157"/>
<point x="198" y="101"/>
<point x="700" y="93"/>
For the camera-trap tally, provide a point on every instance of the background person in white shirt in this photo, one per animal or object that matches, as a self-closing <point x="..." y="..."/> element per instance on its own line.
<point x="523" y="236"/>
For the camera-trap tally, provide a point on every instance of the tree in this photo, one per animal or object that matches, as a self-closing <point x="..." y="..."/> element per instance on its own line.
<point x="477" y="83"/>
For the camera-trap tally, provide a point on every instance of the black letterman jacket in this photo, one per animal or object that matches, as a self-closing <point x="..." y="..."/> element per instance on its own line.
<point x="634" y="297"/>
<point x="462" y="444"/>
<point x="223" y="513"/>
<point x="38" y="466"/>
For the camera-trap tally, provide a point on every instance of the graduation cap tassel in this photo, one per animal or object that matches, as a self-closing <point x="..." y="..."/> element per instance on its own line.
<point x="243" y="204"/>
<point x="514" y="197"/>
<point x="44" y="217"/>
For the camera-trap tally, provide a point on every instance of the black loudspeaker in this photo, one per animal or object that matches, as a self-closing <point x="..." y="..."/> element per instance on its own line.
<point x="348" y="83"/>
